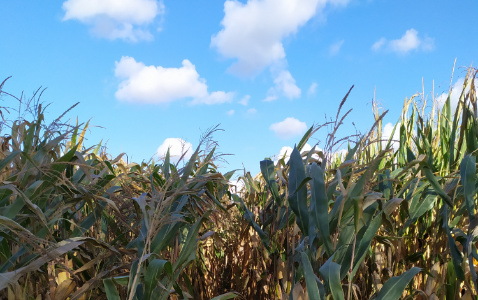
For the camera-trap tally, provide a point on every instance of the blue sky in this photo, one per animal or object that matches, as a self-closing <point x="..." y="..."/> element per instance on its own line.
<point x="152" y="72"/>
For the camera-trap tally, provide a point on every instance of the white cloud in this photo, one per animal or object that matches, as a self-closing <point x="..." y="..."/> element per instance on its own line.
<point x="177" y="147"/>
<point x="270" y="98"/>
<point x="245" y="100"/>
<point x="312" y="89"/>
<point x="456" y="91"/>
<point x="408" y="42"/>
<point x="252" y="32"/>
<point x="335" y="47"/>
<point x="156" y="84"/>
<point x="284" y="85"/>
<point x="115" y="19"/>
<point x="230" y="112"/>
<point x="289" y="128"/>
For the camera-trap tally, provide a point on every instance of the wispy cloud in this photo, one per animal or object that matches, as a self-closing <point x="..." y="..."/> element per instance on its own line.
<point x="334" y="49"/>
<point x="245" y="100"/>
<point x="312" y="89"/>
<point x="251" y="111"/>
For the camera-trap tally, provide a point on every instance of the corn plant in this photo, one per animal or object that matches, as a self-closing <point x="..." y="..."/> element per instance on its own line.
<point x="384" y="223"/>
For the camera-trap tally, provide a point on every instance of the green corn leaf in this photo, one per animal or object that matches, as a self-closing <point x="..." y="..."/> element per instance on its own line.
<point x="268" y="172"/>
<point x="189" y="167"/>
<point x="468" y="180"/>
<point x="305" y="138"/>
<point x="110" y="289"/>
<point x="457" y="257"/>
<point x="434" y="183"/>
<point x="7" y="160"/>
<point x="250" y="218"/>
<point x="330" y="271"/>
<point x="394" y="287"/>
<point x="451" y="280"/>
<point x="298" y="192"/>
<point x="188" y="250"/>
<point x="153" y="272"/>
<point x="419" y="210"/>
<point x="312" y="288"/>
<point x="230" y="295"/>
<point x="320" y="203"/>
<point x="364" y="243"/>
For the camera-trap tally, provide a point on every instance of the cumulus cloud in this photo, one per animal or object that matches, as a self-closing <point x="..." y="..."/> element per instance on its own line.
<point x="231" y="112"/>
<point x="245" y="100"/>
<point x="116" y="19"/>
<point x="335" y="47"/>
<point x="284" y="85"/>
<point x="252" y="32"/>
<point x="288" y="128"/>
<point x="408" y="42"/>
<point x="156" y="84"/>
<point x="456" y="92"/>
<point x="177" y="147"/>
<point x="312" y="89"/>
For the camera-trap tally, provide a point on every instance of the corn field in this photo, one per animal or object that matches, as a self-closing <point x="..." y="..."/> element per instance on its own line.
<point x="389" y="219"/>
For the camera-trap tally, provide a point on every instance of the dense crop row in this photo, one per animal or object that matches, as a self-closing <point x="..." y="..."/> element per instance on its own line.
<point x="388" y="220"/>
